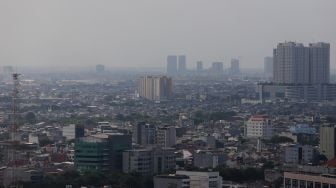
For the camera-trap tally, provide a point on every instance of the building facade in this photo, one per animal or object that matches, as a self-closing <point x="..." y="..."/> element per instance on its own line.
<point x="297" y="180"/>
<point x="166" y="136"/>
<point x="295" y="63"/>
<point x="182" y="64"/>
<point x="259" y="126"/>
<point x="149" y="161"/>
<point x="144" y="134"/>
<point x="101" y="152"/>
<point x="298" y="154"/>
<point x="268" y="66"/>
<point x="327" y="141"/>
<point x="172" y="65"/>
<point x="235" y="69"/>
<point x="172" y="180"/>
<point x="155" y="88"/>
<point x="203" y="179"/>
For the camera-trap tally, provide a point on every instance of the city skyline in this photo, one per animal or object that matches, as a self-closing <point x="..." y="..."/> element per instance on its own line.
<point x="125" y="34"/>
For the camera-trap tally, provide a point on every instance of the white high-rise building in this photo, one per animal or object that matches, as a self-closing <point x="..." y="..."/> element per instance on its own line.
<point x="259" y="126"/>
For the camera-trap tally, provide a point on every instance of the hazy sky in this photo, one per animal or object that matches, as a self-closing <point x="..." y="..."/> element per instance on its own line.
<point x="120" y="33"/>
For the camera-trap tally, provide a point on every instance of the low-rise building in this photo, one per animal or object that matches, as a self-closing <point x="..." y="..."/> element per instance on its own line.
<point x="172" y="180"/>
<point x="149" y="161"/>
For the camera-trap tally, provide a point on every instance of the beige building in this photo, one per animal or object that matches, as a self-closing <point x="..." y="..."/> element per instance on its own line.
<point x="327" y="141"/>
<point x="306" y="180"/>
<point x="155" y="88"/>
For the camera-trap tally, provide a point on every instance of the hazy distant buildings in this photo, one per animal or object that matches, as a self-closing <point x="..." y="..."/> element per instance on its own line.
<point x="217" y="67"/>
<point x="182" y="64"/>
<point x="199" y="66"/>
<point x="268" y="66"/>
<point x="235" y="69"/>
<point x="155" y="88"/>
<point x="100" y="69"/>
<point x="328" y="141"/>
<point x="172" y="65"/>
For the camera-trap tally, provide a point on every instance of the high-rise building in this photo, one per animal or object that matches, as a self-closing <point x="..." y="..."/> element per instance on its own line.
<point x="100" y="69"/>
<point x="199" y="66"/>
<point x="101" y="152"/>
<point x="304" y="179"/>
<point x="235" y="69"/>
<point x="172" y="65"/>
<point x="296" y="64"/>
<point x="144" y="134"/>
<point x="149" y="161"/>
<point x="155" y="88"/>
<point x="166" y="136"/>
<point x="268" y="66"/>
<point x="319" y="61"/>
<point x="182" y="64"/>
<point x="328" y="141"/>
<point x="291" y="63"/>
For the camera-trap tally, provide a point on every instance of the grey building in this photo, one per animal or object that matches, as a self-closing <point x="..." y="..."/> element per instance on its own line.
<point x="166" y="136"/>
<point x="291" y="63"/>
<point x="172" y="180"/>
<point x="199" y="66"/>
<point x="235" y="69"/>
<point x="294" y="63"/>
<point x="209" y="159"/>
<point x="172" y="65"/>
<point x="217" y="67"/>
<point x="319" y="62"/>
<point x="182" y="64"/>
<point x="144" y="134"/>
<point x="328" y="141"/>
<point x="149" y="161"/>
<point x="268" y="66"/>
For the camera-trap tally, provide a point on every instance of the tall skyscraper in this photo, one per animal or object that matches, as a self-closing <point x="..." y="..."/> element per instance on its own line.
<point x="234" y="66"/>
<point x="296" y="64"/>
<point x="328" y="141"/>
<point x="199" y="66"/>
<point x="182" y="64"/>
<point x="268" y="66"/>
<point x="155" y="88"/>
<point x="291" y="63"/>
<point x="319" y="60"/>
<point x="172" y="65"/>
